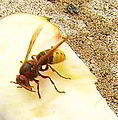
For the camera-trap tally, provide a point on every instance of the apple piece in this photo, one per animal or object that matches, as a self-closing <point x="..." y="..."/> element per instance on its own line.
<point x="81" y="101"/>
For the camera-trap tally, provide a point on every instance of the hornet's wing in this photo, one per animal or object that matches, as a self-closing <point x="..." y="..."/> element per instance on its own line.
<point x="34" y="36"/>
<point x="49" y="53"/>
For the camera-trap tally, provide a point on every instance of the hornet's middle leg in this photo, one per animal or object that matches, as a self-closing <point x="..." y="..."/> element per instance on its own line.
<point x="51" y="82"/>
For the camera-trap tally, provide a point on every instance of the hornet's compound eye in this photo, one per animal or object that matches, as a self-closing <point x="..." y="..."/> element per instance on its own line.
<point x="20" y="79"/>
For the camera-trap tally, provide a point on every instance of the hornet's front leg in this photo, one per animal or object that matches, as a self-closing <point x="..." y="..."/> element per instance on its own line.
<point x="29" y="88"/>
<point x="37" y="82"/>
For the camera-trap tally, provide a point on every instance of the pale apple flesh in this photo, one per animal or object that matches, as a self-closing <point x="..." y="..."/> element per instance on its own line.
<point x="81" y="101"/>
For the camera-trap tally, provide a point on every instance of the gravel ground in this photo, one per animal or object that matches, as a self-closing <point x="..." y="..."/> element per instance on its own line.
<point x="92" y="26"/>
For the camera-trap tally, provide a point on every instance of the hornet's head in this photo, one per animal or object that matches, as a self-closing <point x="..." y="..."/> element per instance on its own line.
<point x="23" y="82"/>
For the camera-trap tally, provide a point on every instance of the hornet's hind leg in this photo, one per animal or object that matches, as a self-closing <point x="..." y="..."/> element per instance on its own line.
<point x="58" y="73"/>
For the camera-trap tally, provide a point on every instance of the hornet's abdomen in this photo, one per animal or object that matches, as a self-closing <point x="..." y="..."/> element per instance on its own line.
<point x="57" y="57"/>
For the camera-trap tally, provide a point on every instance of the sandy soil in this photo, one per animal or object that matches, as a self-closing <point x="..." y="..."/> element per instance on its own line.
<point x="92" y="30"/>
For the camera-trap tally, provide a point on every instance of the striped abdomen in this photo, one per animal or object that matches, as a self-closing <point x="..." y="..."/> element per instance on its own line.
<point x="56" y="57"/>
